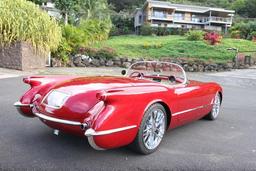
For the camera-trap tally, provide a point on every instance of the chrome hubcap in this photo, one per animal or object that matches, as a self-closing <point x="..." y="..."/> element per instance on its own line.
<point x="154" y="129"/>
<point x="216" y="106"/>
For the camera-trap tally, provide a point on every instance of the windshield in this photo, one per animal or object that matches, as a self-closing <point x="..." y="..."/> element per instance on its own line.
<point x="163" y="72"/>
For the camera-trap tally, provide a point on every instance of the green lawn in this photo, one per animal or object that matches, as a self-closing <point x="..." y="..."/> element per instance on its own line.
<point x="174" y="46"/>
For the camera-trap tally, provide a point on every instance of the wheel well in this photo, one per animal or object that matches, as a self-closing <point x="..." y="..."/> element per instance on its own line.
<point x="168" y="112"/>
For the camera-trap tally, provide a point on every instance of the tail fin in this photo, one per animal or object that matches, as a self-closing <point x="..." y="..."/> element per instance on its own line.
<point x="33" y="80"/>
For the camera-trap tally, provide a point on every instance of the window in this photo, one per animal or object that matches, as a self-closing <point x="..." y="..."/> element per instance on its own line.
<point x="195" y="18"/>
<point x="140" y="19"/>
<point x="159" y="14"/>
<point x="179" y="16"/>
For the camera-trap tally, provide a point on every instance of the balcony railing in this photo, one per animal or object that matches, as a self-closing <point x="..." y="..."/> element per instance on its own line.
<point x="195" y="19"/>
<point x="161" y="16"/>
<point x="220" y="19"/>
<point x="201" y="20"/>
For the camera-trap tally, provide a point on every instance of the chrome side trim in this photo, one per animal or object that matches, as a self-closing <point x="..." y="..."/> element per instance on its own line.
<point x="190" y="110"/>
<point x="48" y="118"/>
<point x="92" y="132"/>
<point x="93" y="144"/>
<point x="19" y="104"/>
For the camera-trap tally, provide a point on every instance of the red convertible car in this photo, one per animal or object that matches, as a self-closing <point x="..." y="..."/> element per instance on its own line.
<point x="135" y="109"/>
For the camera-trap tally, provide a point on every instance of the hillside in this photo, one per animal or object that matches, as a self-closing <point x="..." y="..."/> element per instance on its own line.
<point x="174" y="46"/>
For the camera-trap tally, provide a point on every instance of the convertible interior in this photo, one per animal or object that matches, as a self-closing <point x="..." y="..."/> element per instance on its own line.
<point x="164" y="73"/>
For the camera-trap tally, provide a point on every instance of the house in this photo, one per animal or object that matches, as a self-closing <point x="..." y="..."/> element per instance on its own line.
<point x="49" y="7"/>
<point x="170" y="15"/>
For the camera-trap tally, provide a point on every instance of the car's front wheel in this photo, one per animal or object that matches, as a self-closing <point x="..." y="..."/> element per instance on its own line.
<point x="215" y="108"/>
<point x="152" y="130"/>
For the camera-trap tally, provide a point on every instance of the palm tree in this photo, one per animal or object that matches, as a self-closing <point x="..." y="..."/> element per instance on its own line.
<point x="94" y="9"/>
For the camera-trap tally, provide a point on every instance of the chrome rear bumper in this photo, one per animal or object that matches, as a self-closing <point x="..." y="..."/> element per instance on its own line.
<point x="88" y="133"/>
<point x="19" y="104"/>
<point x="61" y="121"/>
<point x="92" y="132"/>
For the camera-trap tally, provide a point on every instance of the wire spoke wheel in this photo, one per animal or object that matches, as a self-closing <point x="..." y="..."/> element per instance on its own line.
<point x="216" y="106"/>
<point x="154" y="129"/>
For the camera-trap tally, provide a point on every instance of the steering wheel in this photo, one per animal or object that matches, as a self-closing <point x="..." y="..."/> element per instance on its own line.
<point x="136" y="74"/>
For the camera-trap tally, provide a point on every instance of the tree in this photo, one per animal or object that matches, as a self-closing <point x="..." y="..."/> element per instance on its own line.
<point x="250" y="8"/>
<point x="66" y="7"/>
<point x="39" y="2"/>
<point x="126" y="4"/>
<point x="94" y="9"/>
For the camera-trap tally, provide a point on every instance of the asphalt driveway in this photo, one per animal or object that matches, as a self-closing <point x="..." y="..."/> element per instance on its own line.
<point x="226" y="144"/>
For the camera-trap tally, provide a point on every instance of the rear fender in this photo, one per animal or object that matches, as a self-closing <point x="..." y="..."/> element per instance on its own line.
<point x="124" y="109"/>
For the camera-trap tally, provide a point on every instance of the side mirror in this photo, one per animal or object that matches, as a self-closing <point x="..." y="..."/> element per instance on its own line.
<point x="123" y="72"/>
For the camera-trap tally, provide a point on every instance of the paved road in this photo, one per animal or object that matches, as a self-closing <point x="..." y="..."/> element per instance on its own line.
<point x="226" y="144"/>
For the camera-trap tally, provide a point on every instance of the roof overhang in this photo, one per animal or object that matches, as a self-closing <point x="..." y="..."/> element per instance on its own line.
<point x="164" y="6"/>
<point x="184" y="8"/>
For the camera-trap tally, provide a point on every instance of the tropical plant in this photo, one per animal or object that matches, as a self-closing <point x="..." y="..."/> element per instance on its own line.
<point x="63" y="52"/>
<point x="235" y="34"/>
<point x="94" y="9"/>
<point x="212" y="38"/>
<point x="74" y="37"/>
<point x="22" y="20"/>
<point x="245" y="28"/>
<point x="95" y="29"/>
<point x="195" y="35"/>
<point x="67" y="7"/>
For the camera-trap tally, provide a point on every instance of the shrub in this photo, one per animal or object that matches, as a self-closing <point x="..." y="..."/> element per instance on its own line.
<point x="213" y="38"/>
<point x="152" y="45"/>
<point x="114" y="31"/>
<point x="236" y="34"/>
<point x="95" y="29"/>
<point x="146" y="30"/>
<point x="74" y="36"/>
<point x="245" y="28"/>
<point x="253" y="35"/>
<point x="162" y="31"/>
<point x="63" y="52"/>
<point x="122" y="24"/>
<point x="106" y="52"/>
<point x="24" y="21"/>
<point x="88" y="32"/>
<point x="87" y="51"/>
<point x="195" y="35"/>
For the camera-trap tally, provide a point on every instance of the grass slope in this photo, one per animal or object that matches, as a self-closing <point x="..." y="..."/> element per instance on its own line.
<point x="174" y="46"/>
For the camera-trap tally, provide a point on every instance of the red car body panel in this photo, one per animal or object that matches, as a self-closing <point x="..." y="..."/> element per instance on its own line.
<point x="125" y="103"/>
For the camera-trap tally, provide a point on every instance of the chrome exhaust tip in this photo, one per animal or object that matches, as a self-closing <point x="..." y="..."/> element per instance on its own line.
<point x="84" y="126"/>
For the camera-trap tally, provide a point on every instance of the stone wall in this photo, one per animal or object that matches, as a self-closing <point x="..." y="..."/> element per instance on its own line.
<point x="191" y="65"/>
<point x="21" y="56"/>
